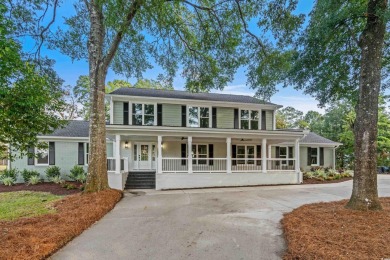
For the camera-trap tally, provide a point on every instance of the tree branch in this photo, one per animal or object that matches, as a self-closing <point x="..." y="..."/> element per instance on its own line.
<point x="259" y="42"/>
<point x="41" y="35"/>
<point x="134" y="7"/>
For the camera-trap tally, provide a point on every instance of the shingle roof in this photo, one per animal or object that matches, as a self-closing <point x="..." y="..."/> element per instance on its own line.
<point x="159" y="93"/>
<point x="313" y="138"/>
<point x="74" y="128"/>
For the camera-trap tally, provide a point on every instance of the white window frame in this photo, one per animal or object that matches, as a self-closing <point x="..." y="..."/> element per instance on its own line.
<point x="250" y="119"/>
<point x="317" y="156"/>
<point x="86" y="154"/>
<point x="199" y="107"/>
<point x="246" y="159"/>
<point x="195" y="157"/>
<point x="285" y="156"/>
<point x="131" y="111"/>
<point x="37" y="153"/>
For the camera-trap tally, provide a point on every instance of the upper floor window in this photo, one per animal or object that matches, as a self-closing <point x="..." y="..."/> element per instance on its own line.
<point x="199" y="117"/>
<point x="250" y="119"/>
<point x="143" y="114"/>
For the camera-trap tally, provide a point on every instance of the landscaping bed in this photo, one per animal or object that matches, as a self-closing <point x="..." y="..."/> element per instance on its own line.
<point x="316" y="181"/>
<point x="39" y="237"/>
<point x="329" y="231"/>
<point x="51" y="187"/>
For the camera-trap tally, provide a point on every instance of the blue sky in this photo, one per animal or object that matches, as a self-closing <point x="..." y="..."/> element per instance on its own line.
<point x="70" y="71"/>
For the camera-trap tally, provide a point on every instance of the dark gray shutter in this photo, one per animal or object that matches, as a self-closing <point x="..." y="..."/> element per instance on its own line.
<point x="234" y="154"/>
<point x="211" y="154"/>
<point x="52" y="153"/>
<point x="30" y="158"/>
<point x="159" y="114"/>
<point x="263" y="121"/>
<point x="290" y="155"/>
<point x="183" y="116"/>
<point x="258" y="154"/>
<point x="236" y="124"/>
<point x="322" y="156"/>
<point x="183" y="153"/>
<point x="125" y="113"/>
<point x="308" y="156"/>
<point x="214" y="117"/>
<point x="81" y="154"/>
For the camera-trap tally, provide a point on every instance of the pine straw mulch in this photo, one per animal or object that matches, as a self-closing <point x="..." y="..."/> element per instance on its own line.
<point x="315" y="181"/>
<point x="39" y="237"/>
<point x="51" y="187"/>
<point x="329" y="231"/>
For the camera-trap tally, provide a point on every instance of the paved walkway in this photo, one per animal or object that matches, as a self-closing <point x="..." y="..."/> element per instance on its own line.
<point x="226" y="223"/>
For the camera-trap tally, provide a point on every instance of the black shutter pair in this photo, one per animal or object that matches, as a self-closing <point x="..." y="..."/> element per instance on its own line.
<point x="81" y="154"/>
<point x="234" y="154"/>
<point x="236" y="124"/>
<point x="52" y="155"/>
<point x="258" y="153"/>
<point x="183" y="154"/>
<point x="159" y="114"/>
<point x="321" y="156"/>
<point x="183" y="116"/>
<point x="125" y="113"/>
<point x="263" y="121"/>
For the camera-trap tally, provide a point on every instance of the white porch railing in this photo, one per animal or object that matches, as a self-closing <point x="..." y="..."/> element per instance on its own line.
<point x="209" y="165"/>
<point x="111" y="164"/>
<point x="174" y="165"/>
<point x="278" y="164"/>
<point x="246" y="165"/>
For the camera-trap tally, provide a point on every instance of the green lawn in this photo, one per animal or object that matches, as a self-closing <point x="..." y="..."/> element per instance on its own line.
<point x="20" y="204"/>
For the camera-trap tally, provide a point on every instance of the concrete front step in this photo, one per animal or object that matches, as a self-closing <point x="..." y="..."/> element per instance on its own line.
<point x="141" y="180"/>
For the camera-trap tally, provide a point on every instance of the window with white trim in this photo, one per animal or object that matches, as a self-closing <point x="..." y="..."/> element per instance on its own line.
<point x="283" y="154"/>
<point x="86" y="153"/>
<point x="249" y="119"/>
<point x="200" y="151"/>
<point x="245" y="154"/>
<point x="199" y="117"/>
<point x="314" y="156"/>
<point x="42" y="155"/>
<point x="143" y="114"/>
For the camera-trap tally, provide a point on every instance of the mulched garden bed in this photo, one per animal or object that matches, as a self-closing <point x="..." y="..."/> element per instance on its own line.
<point x="39" y="237"/>
<point x="53" y="188"/>
<point x="329" y="231"/>
<point x="315" y="181"/>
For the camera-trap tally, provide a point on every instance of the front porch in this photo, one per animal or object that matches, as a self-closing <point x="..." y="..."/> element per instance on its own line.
<point x="198" y="161"/>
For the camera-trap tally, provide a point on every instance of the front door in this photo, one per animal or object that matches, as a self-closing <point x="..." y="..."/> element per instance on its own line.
<point x="143" y="155"/>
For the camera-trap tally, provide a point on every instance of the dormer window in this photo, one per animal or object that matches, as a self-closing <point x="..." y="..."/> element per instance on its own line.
<point x="143" y="114"/>
<point x="199" y="117"/>
<point x="249" y="119"/>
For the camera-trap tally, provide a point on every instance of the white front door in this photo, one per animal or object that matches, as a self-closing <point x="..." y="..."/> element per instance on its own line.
<point x="144" y="156"/>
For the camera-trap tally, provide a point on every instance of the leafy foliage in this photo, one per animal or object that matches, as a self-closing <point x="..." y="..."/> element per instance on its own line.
<point x="9" y="173"/>
<point x="78" y="173"/>
<point x="28" y="174"/>
<point x="8" y="181"/>
<point x="34" y="180"/>
<point x="52" y="172"/>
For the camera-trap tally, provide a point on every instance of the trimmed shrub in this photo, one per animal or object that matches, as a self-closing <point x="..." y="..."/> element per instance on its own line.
<point x="57" y="180"/>
<point x="8" y="181"/>
<point x="9" y="173"/>
<point x="34" y="180"/>
<point x="26" y="174"/>
<point x="77" y="173"/>
<point x="52" y="172"/>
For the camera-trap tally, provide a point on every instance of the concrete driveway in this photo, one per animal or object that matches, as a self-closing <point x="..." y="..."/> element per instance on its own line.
<point x="226" y="223"/>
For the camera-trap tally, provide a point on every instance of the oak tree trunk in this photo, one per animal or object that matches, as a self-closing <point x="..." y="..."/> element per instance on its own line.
<point x="97" y="179"/>
<point x="365" y="190"/>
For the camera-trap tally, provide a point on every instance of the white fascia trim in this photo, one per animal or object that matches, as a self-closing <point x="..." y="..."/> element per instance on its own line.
<point x="193" y="102"/>
<point x="321" y="144"/>
<point x="63" y="138"/>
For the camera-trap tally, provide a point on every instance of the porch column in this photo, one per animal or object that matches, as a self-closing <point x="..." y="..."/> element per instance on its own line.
<point x="159" y="154"/>
<point x="189" y="153"/>
<point x="228" y="155"/>
<point x="297" y="166"/>
<point x="264" y="155"/>
<point x="117" y="154"/>
<point x="269" y="154"/>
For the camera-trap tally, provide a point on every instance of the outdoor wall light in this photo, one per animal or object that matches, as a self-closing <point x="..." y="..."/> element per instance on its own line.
<point x="126" y="145"/>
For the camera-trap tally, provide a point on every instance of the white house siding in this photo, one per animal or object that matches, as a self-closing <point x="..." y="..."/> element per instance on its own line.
<point x="66" y="157"/>
<point x="171" y="115"/>
<point x="328" y="157"/>
<point x="172" y="149"/>
<point x="118" y="113"/>
<point x="225" y="117"/>
<point x="269" y="115"/>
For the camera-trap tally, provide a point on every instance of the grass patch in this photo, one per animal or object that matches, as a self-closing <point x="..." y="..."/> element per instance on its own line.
<point x="39" y="237"/>
<point x="330" y="231"/>
<point x="21" y="204"/>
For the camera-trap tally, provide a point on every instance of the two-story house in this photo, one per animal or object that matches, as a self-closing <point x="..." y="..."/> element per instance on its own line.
<point x="168" y="139"/>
